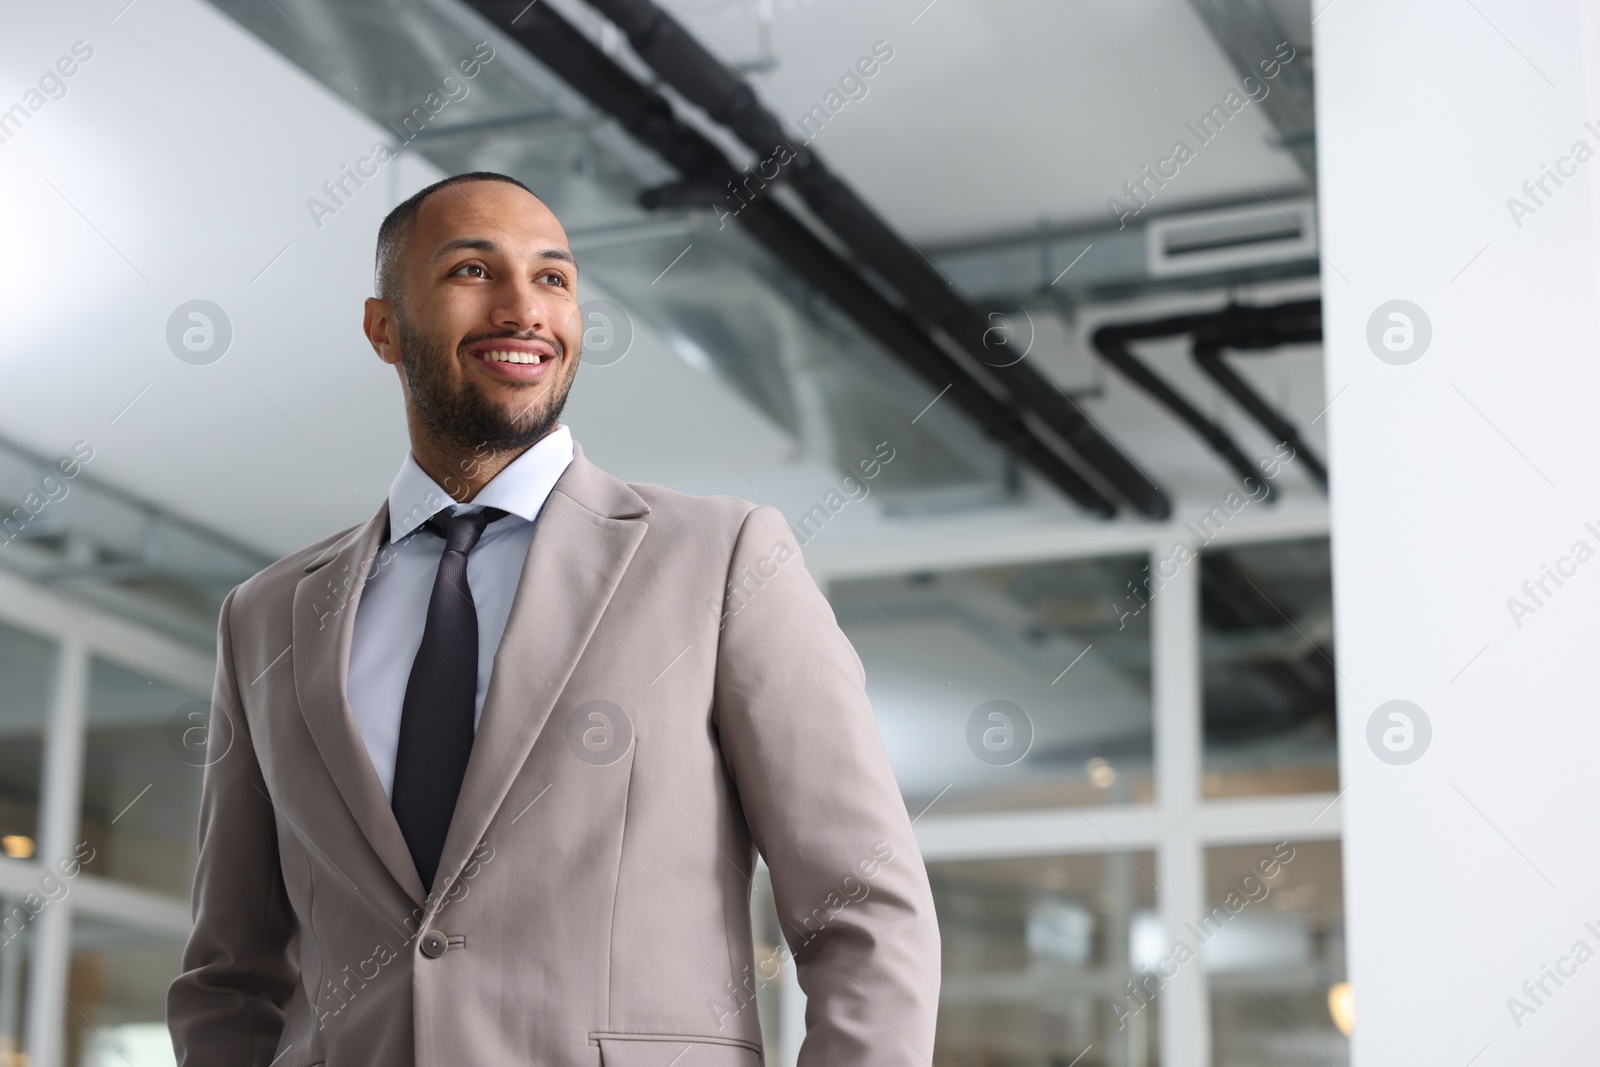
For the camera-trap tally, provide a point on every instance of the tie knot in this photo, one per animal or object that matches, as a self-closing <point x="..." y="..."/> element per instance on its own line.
<point x="461" y="532"/>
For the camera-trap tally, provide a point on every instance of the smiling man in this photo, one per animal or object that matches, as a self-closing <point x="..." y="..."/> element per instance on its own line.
<point x="488" y="773"/>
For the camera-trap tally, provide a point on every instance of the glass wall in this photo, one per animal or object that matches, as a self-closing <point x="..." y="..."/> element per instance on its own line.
<point x="141" y="799"/>
<point x="1024" y="686"/>
<point x="1275" y="961"/>
<point x="1039" y="962"/>
<point x="1266" y="615"/>
<point x="27" y="676"/>
<point x="118" y="992"/>
<point x="96" y="790"/>
<point x="1083" y="763"/>
<point x="1070" y="738"/>
<point x="27" y="685"/>
<point x="15" y="952"/>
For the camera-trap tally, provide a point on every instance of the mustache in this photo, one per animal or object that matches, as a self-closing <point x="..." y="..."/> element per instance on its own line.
<point x="554" y="342"/>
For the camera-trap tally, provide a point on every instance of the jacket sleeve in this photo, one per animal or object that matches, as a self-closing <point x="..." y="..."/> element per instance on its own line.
<point x="804" y="751"/>
<point x="228" y="1004"/>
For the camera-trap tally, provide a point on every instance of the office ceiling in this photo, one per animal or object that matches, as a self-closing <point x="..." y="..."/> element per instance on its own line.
<point x="182" y="159"/>
<point x="999" y="116"/>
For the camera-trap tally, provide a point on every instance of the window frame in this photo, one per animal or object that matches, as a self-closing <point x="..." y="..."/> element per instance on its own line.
<point x="1181" y="823"/>
<point x="1178" y="827"/>
<point x="81" y="632"/>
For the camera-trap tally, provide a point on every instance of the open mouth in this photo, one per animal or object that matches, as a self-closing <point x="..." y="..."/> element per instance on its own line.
<point x="500" y="356"/>
<point x="513" y="360"/>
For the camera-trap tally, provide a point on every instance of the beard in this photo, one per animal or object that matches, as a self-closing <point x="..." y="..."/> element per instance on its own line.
<point x="458" y="413"/>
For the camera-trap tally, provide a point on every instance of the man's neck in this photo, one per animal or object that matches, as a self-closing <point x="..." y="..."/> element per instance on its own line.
<point x="463" y="472"/>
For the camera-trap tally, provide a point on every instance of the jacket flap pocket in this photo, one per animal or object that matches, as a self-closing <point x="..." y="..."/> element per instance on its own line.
<point x="657" y="1050"/>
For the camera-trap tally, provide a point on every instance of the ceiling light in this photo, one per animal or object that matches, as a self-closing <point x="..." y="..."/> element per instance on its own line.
<point x="1342" y="1006"/>
<point x="1101" y="773"/>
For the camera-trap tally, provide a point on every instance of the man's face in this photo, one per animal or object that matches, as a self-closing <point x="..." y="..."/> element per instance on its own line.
<point x="485" y="326"/>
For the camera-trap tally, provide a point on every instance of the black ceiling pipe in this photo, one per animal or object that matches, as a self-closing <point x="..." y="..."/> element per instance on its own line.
<point x="1267" y="328"/>
<point x="1115" y="344"/>
<point x="724" y="94"/>
<point x="1255" y="329"/>
<point x="1234" y="327"/>
<point x="649" y="118"/>
<point x="1208" y="356"/>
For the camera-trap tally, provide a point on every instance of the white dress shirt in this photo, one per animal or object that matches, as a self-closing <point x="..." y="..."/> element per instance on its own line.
<point x="394" y="604"/>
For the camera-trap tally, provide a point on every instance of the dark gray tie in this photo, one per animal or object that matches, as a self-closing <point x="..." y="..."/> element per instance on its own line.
<point x="436" y="719"/>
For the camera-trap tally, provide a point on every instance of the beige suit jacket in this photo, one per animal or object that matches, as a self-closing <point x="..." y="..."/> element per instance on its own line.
<point x="671" y="694"/>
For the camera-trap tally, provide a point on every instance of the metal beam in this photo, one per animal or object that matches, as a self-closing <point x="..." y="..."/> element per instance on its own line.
<point x="1249" y="33"/>
<point x="649" y="118"/>
<point x="674" y="53"/>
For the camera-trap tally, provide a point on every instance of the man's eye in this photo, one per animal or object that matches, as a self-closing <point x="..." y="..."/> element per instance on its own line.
<point x="559" y="279"/>
<point x="472" y="266"/>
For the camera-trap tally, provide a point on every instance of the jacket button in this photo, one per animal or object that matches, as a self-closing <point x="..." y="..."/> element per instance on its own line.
<point x="434" y="944"/>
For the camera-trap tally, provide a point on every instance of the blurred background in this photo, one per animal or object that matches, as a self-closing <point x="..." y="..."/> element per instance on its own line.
<point x="1049" y="271"/>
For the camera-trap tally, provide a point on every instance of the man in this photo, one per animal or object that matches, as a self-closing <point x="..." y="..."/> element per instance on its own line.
<point x="487" y="775"/>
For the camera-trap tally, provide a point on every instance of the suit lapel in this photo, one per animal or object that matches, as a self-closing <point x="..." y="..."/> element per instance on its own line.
<point x="585" y="537"/>
<point x="324" y="616"/>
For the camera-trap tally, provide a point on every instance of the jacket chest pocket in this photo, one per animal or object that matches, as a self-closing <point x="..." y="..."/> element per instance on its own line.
<point x="657" y="1050"/>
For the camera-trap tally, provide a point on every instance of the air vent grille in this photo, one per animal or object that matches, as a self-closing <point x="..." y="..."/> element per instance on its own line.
<point x="1237" y="237"/>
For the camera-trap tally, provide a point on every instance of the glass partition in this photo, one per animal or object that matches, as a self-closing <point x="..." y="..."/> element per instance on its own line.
<point x="27" y="671"/>
<point x="141" y="788"/>
<point x="1018" y="686"/>
<point x="1018" y="697"/>
<point x="117" y="991"/>
<point x="16" y="952"/>
<point x="1275" y="955"/>
<point x="1039" y="961"/>
<point x="1267" y="667"/>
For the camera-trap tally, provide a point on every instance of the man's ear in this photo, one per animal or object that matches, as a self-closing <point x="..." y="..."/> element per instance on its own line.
<point x="379" y="325"/>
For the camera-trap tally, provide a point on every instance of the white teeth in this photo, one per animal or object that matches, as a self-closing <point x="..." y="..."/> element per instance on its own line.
<point x="514" y="357"/>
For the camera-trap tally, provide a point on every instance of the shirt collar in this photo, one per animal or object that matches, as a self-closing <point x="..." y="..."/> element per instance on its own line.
<point x="521" y="489"/>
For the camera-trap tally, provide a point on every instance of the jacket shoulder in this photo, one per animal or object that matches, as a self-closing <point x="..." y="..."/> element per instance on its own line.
<point x="705" y="514"/>
<point x="287" y="572"/>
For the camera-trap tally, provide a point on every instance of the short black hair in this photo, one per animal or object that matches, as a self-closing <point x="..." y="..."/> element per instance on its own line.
<point x="398" y="224"/>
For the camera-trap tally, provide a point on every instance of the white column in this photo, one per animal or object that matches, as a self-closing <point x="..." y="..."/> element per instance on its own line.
<point x="1180" y="874"/>
<point x="58" y="829"/>
<point x="1465" y="479"/>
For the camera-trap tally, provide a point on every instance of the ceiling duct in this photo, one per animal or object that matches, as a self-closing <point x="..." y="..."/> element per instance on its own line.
<point x="94" y="542"/>
<point x="675" y="54"/>
<point x="1248" y="32"/>
<point x="1209" y="241"/>
<point x="648" y="117"/>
